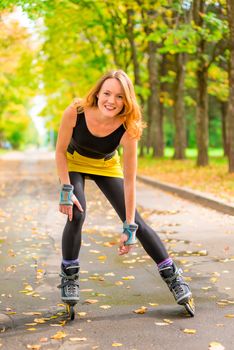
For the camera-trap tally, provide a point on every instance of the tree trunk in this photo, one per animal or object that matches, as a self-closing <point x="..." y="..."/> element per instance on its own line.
<point x="179" y="118"/>
<point x="136" y="67"/>
<point x="131" y="39"/>
<point x="230" y="8"/>
<point x="162" y="87"/>
<point x="224" y="109"/>
<point x="155" y="123"/>
<point x="154" y="135"/>
<point x="202" y="119"/>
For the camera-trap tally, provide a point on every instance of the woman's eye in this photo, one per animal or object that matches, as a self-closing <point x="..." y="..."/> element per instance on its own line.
<point x="120" y="97"/>
<point x="106" y="93"/>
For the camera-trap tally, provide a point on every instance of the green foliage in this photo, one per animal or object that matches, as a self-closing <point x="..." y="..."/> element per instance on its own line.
<point x="81" y="39"/>
<point x="17" y="81"/>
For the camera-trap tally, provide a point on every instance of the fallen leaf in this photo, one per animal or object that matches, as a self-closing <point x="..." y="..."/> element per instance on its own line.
<point x="105" y="307"/>
<point x="127" y="278"/>
<point x="189" y="331"/>
<point x="119" y="283"/>
<point x="216" y="346"/>
<point x="140" y="311"/>
<point x="33" y="347"/>
<point x="129" y="261"/>
<point x="39" y="320"/>
<point x="91" y="301"/>
<point x="102" y="257"/>
<point x="109" y="274"/>
<point x="167" y="320"/>
<point x="230" y="316"/>
<point x="58" y="335"/>
<point x="77" y="339"/>
<point x="161" y="323"/>
<point x="81" y="314"/>
<point x="116" y="344"/>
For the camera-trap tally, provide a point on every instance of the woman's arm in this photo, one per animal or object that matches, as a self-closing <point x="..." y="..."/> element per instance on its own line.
<point x="64" y="136"/>
<point x="129" y="168"/>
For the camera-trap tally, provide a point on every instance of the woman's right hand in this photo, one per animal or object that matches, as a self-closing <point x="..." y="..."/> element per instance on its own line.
<point x="67" y="200"/>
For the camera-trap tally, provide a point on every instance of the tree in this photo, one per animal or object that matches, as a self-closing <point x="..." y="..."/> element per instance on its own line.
<point x="17" y="82"/>
<point x="230" y="9"/>
<point x="210" y="30"/>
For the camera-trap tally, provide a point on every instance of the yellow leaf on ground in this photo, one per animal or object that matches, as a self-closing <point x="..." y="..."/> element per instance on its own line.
<point x="129" y="261"/>
<point x="102" y="257"/>
<point x="82" y="314"/>
<point x="119" y="283"/>
<point x="91" y="301"/>
<point x="59" y="335"/>
<point x="161" y="323"/>
<point x="105" y="307"/>
<point x="78" y="339"/>
<point x="39" y="320"/>
<point x="33" y="347"/>
<point x="127" y="278"/>
<point x="28" y="287"/>
<point x="190" y="331"/>
<point x="230" y="316"/>
<point x="116" y="344"/>
<point x="167" y="320"/>
<point x="141" y="311"/>
<point x="31" y="329"/>
<point x="216" y="346"/>
<point x="109" y="274"/>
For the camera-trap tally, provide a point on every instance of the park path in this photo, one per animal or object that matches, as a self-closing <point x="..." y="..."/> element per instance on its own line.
<point x="124" y="303"/>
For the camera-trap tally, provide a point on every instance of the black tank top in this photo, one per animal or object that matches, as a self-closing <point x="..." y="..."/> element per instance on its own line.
<point x="88" y="145"/>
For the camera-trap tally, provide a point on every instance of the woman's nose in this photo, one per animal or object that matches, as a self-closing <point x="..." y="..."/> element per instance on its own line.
<point x="111" y="99"/>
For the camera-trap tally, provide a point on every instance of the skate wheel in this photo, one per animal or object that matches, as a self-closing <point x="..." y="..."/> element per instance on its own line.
<point x="190" y="307"/>
<point x="71" y="312"/>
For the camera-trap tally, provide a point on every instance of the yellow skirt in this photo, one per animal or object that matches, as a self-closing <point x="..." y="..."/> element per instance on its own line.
<point x="110" y="167"/>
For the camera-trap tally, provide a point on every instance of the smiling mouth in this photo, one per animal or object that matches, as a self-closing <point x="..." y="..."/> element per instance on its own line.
<point x="110" y="108"/>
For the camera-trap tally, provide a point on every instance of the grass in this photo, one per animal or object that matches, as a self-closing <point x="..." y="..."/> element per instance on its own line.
<point x="213" y="179"/>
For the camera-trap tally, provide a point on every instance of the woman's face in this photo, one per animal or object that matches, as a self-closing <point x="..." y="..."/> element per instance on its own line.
<point x="111" y="98"/>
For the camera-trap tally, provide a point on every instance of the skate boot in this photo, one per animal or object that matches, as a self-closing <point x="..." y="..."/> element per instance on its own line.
<point x="179" y="288"/>
<point x="70" y="287"/>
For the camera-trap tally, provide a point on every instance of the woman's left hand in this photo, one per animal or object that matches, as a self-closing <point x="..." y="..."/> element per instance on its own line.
<point x="124" y="249"/>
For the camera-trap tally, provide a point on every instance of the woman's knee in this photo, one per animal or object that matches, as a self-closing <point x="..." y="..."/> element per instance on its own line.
<point x="78" y="216"/>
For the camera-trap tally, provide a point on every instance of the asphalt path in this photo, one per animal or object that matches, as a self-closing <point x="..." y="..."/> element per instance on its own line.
<point x="124" y="303"/>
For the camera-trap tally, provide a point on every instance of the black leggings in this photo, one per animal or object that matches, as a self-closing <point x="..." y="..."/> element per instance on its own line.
<point x="112" y="188"/>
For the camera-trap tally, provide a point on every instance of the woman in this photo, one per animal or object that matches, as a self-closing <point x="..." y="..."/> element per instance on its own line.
<point x="90" y="132"/>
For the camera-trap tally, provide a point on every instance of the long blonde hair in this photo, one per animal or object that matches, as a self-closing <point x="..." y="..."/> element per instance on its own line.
<point x="131" y="113"/>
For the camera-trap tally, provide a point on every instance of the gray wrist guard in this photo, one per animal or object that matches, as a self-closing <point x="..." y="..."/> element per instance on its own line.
<point x="130" y="231"/>
<point x="66" y="194"/>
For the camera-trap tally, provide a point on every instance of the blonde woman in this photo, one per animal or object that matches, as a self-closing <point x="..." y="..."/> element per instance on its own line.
<point x="90" y="133"/>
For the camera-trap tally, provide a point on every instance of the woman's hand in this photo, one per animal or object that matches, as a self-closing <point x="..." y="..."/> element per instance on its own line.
<point x="128" y="238"/>
<point x="124" y="249"/>
<point x="67" y="200"/>
<point x="68" y="209"/>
